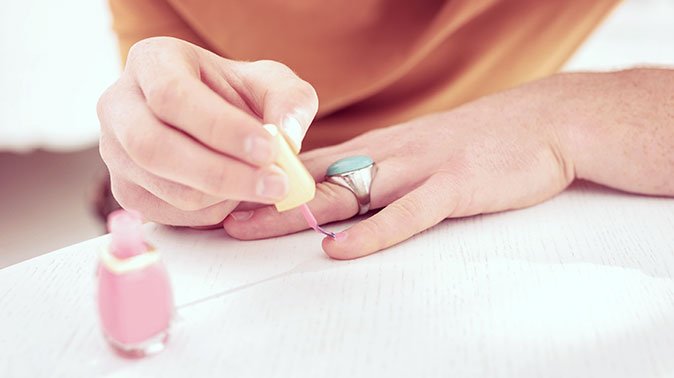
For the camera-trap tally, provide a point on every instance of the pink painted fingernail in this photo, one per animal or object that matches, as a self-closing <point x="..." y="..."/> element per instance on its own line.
<point x="341" y="236"/>
<point x="242" y="215"/>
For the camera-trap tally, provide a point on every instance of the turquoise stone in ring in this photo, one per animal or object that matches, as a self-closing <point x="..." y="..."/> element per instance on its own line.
<point x="354" y="173"/>
<point x="349" y="164"/>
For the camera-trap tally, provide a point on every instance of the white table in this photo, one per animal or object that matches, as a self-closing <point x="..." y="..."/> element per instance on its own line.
<point x="578" y="286"/>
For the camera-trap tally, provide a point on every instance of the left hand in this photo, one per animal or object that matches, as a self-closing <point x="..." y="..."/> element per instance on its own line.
<point x="494" y="154"/>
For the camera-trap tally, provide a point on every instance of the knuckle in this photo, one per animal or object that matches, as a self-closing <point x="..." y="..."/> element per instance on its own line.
<point x="407" y="209"/>
<point x="137" y="50"/>
<point x="307" y="90"/>
<point x="329" y="192"/>
<point x="371" y="226"/>
<point x="126" y="194"/>
<point x="270" y="65"/>
<point x="215" y="129"/>
<point x="143" y="148"/>
<point x="148" y="46"/>
<point x="457" y="194"/>
<point x="109" y="149"/>
<point x="216" y="181"/>
<point x="109" y="106"/>
<point x="103" y="103"/>
<point x="141" y="49"/>
<point x="163" y="96"/>
<point x="333" y="196"/>
<point x="105" y="149"/>
<point x="190" y="199"/>
<point x="211" y="216"/>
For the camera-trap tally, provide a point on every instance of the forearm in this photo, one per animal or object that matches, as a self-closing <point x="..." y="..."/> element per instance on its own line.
<point x="617" y="129"/>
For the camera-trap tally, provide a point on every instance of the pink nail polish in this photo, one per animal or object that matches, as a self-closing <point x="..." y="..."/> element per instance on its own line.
<point x="340" y="236"/>
<point x="135" y="300"/>
<point x="311" y="221"/>
<point x="242" y="215"/>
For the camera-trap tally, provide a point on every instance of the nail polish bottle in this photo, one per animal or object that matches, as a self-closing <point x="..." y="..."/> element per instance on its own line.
<point x="135" y="301"/>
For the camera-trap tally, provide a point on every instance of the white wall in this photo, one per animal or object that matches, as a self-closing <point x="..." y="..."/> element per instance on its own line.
<point x="638" y="32"/>
<point x="56" y="58"/>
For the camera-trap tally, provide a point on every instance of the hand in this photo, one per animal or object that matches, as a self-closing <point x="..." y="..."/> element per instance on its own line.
<point x="181" y="131"/>
<point x="494" y="154"/>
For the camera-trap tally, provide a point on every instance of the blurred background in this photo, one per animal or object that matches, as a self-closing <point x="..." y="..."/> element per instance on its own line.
<point x="59" y="56"/>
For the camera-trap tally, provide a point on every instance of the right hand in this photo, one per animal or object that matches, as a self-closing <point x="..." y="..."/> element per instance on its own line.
<point x="181" y="131"/>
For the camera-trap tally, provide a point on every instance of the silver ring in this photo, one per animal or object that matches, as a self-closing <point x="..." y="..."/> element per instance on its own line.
<point x="354" y="173"/>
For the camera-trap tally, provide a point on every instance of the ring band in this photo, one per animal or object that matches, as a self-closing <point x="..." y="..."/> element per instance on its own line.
<point x="354" y="173"/>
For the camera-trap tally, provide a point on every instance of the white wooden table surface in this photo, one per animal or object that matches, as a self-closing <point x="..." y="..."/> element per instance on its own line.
<point x="578" y="286"/>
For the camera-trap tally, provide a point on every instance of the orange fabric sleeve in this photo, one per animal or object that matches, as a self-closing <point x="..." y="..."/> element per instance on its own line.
<point x="376" y="63"/>
<point x="134" y="20"/>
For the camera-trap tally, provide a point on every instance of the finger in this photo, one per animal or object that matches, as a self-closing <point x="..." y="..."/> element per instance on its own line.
<point x="245" y="206"/>
<point x="176" y="95"/>
<point x="317" y="161"/>
<point x="131" y="196"/>
<point x="281" y="97"/>
<point x="168" y="153"/>
<point x="331" y="203"/>
<point x="422" y="208"/>
<point x="177" y="195"/>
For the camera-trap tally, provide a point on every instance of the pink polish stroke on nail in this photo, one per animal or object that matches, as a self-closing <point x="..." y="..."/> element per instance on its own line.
<point x="340" y="236"/>
<point x="311" y="221"/>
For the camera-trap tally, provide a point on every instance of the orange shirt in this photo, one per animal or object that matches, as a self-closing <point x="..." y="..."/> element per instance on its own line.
<point x="375" y="63"/>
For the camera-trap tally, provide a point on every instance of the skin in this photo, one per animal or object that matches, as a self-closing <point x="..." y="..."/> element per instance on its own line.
<point x="181" y="131"/>
<point x="505" y="151"/>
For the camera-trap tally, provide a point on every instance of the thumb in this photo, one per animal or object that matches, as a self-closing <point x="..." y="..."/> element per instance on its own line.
<point x="418" y="210"/>
<point x="281" y="97"/>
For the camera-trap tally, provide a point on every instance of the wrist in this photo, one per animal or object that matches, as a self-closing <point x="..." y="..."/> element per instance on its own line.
<point x="575" y="108"/>
<point x="615" y="127"/>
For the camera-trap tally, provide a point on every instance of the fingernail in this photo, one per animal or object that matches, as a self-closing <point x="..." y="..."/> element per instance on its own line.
<point x="340" y="236"/>
<point x="242" y="215"/>
<point x="272" y="185"/>
<point x="258" y="149"/>
<point x="293" y="130"/>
